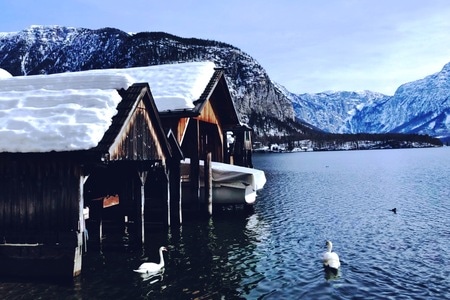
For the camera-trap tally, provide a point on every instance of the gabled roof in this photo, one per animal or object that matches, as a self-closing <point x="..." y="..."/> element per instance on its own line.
<point x="218" y="93"/>
<point x="155" y="147"/>
<point x="218" y="84"/>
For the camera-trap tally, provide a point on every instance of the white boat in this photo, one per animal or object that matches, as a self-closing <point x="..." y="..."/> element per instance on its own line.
<point x="230" y="184"/>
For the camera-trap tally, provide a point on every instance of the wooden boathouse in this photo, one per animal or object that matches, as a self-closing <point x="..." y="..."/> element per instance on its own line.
<point x="202" y="131"/>
<point x="106" y="145"/>
<point x="194" y="103"/>
<point x="65" y="140"/>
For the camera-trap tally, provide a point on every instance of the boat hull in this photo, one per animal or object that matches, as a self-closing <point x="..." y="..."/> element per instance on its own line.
<point x="223" y="194"/>
<point x="230" y="184"/>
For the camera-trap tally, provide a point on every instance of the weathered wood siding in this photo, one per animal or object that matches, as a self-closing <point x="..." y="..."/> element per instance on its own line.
<point x="136" y="145"/>
<point x="140" y="140"/>
<point x="208" y="114"/>
<point x="211" y="135"/>
<point x="181" y="129"/>
<point x="39" y="197"/>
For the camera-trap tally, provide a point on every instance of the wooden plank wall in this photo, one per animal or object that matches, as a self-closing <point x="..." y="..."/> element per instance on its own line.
<point x="38" y="198"/>
<point x="140" y="141"/>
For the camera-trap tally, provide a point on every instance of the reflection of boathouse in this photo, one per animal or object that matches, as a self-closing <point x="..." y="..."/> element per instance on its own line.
<point x="107" y="146"/>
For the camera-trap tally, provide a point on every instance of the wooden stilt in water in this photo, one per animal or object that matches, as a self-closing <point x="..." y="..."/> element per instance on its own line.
<point x="208" y="183"/>
<point x="173" y="172"/>
<point x="174" y="186"/>
<point x="78" y="255"/>
<point x="100" y="225"/>
<point x="168" y="206"/>
<point x="142" y="215"/>
<point x="194" y="178"/>
<point x="143" y="178"/>
<point x="100" y="229"/>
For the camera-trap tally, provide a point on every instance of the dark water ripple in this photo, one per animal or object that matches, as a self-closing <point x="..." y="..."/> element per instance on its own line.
<point x="275" y="252"/>
<point x="384" y="255"/>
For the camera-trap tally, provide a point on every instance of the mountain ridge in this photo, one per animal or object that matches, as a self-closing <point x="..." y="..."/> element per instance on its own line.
<point x="417" y="107"/>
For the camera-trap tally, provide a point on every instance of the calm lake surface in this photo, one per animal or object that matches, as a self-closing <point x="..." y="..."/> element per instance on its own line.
<point x="275" y="251"/>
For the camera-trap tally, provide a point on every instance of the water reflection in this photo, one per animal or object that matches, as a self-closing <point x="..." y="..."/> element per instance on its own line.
<point x="331" y="274"/>
<point x="152" y="277"/>
<point x="207" y="258"/>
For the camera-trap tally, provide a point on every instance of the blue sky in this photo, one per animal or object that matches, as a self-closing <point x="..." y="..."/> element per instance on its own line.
<point x="305" y="45"/>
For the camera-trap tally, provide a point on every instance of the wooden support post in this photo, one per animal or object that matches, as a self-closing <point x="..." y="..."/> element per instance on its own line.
<point x="143" y="178"/>
<point x="169" y="206"/>
<point x="100" y="226"/>
<point x="208" y="183"/>
<point x="194" y="177"/>
<point x="84" y="231"/>
<point x="142" y="214"/>
<point x="178" y="197"/>
<point x="175" y="193"/>
<point x="78" y="253"/>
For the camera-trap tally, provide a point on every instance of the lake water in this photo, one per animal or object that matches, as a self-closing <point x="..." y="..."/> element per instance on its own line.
<point x="275" y="251"/>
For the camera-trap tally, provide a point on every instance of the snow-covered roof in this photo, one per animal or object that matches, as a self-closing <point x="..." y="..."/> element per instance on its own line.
<point x="72" y="111"/>
<point x="4" y="74"/>
<point x="175" y="86"/>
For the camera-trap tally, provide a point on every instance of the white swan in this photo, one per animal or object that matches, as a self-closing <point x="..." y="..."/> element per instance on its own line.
<point x="150" y="267"/>
<point x="331" y="259"/>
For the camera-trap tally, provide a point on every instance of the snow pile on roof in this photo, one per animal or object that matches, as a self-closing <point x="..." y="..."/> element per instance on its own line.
<point x="57" y="112"/>
<point x="4" y="74"/>
<point x="176" y="86"/>
<point x="72" y="111"/>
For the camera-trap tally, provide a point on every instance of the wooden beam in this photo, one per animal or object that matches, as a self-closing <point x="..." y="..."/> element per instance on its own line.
<point x="194" y="177"/>
<point x="81" y="228"/>
<point x="169" y="206"/>
<point x="174" y="186"/>
<point x="143" y="178"/>
<point x="208" y="183"/>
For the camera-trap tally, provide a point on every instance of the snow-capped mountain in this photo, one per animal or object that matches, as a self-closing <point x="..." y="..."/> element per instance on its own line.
<point x="333" y="110"/>
<point x="421" y="106"/>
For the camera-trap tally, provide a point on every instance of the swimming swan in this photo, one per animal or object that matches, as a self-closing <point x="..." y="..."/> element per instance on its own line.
<point x="150" y="267"/>
<point x="331" y="259"/>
